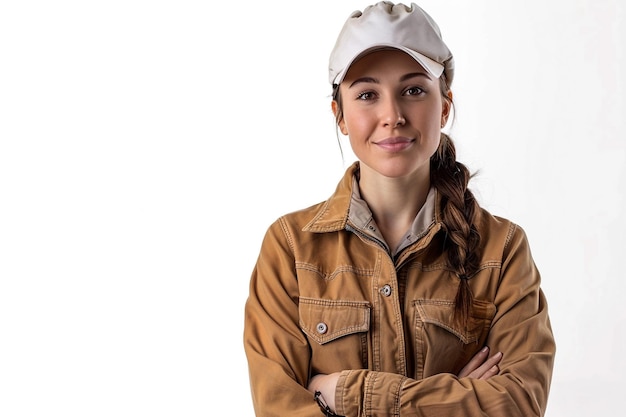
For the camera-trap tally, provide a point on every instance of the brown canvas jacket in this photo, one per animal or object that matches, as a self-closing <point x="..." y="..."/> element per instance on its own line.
<point x="327" y="296"/>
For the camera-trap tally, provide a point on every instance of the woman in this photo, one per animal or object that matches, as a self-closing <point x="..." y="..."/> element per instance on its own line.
<point x="398" y="295"/>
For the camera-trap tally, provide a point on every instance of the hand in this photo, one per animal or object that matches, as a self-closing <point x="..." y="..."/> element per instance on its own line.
<point x="326" y="384"/>
<point x="480" y="366"/>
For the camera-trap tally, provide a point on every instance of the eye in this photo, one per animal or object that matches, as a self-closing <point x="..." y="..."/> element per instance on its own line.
<point x="414" y="91"/>
<point x="366" y="95"/>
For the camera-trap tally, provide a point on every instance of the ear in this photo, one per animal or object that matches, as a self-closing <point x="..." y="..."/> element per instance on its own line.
<point x="341" y="123"/>
<point x="446" y="109"/>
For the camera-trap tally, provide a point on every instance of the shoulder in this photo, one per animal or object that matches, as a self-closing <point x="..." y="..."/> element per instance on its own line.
<point x="299" y="219"/>
<point x="292" y="224"/>
<point x="327" y="216"/>
<point x="499" y="234"/>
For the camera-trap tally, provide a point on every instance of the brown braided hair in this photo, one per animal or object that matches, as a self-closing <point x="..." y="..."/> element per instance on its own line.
<point x="458" y="206"/>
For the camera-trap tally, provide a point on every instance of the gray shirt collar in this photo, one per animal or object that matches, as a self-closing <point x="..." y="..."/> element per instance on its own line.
<point x="360" y="216"/>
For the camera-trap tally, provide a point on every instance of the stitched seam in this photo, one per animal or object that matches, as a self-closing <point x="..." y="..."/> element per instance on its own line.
<point x="330" y="276"/>
<point x="285" y="229"/>
<point x="509" y="236"/>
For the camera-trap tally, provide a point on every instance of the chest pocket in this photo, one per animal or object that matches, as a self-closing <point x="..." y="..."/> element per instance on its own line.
<point x="444" y="344"/>
<point x="337" y="332"/>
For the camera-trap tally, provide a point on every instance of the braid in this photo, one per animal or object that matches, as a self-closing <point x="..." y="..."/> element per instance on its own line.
<point x="459" y="208"/>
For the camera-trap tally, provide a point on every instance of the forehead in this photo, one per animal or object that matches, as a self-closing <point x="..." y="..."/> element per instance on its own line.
<point x="384" y="62"/>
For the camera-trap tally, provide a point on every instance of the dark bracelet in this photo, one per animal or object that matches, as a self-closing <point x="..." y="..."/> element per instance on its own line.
<point x="325" y="408"/>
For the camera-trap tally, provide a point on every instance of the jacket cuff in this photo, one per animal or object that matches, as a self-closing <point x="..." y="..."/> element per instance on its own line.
<point x="363" y="392"/>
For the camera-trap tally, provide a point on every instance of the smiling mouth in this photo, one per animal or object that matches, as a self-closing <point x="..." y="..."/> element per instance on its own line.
<point x="394" y="140"/>
<point x="395" y="144"/>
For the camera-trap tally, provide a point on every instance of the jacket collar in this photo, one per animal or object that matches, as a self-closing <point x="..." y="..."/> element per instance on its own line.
<point x="334" y="212"/>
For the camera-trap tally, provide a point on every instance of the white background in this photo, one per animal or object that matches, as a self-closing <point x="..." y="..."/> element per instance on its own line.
<point x="145" y="146"/>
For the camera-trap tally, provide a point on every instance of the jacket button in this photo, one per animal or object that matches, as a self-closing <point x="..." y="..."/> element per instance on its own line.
<point x="322" y="328"/>
<point x="386" y="290"/>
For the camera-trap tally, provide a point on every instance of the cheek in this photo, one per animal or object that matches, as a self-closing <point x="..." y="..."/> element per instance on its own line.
<point x="429" y="121"/>
<point x="436" y="119"/>
<point x="355" y="124"/>
<point x="435" y="136"/>
<point x="431" y="131"/>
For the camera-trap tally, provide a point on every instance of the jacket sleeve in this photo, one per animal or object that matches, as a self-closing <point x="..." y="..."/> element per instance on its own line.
<point x="277" y="351"/>
<point x="521" y="330"/>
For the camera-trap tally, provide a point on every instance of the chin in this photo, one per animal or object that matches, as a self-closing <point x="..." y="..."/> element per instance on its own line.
<point x="401" y="170"/>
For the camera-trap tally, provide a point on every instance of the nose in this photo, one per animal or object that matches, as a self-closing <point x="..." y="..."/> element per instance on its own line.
<point x="392" y="114"/>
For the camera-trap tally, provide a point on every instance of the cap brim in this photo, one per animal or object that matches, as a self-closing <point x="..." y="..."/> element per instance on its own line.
<point x="434" y="68"/>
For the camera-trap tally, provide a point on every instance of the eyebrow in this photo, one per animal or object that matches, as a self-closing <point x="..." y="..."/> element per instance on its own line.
<point x="415" y="74"/>
<point x="402" y="79"/>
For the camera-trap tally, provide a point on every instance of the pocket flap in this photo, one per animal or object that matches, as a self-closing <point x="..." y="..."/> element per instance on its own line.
<point x="441" y="313"/>
<point x="327" y="320"/>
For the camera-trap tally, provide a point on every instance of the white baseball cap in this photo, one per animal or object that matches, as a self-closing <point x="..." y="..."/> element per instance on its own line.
<point x="387" y="25"/>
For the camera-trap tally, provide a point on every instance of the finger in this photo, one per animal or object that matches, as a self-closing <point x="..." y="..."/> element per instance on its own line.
<point x="490" y="367"/>
<point x="475" y="362"/>
<point x="495" y="359"/>
<point x="494" y="370"/>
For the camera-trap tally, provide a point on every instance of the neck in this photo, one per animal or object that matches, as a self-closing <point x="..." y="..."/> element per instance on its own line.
<point x="394" y="202"/>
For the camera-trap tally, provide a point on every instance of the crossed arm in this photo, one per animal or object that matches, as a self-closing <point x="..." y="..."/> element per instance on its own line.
<point x="481" y="366"/>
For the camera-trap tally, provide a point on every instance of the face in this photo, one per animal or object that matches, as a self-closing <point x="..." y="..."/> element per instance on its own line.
<point x="393" y="112"/>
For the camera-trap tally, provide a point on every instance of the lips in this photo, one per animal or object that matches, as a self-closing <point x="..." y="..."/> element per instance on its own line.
<point x="395" y="144"/>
